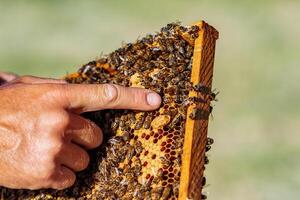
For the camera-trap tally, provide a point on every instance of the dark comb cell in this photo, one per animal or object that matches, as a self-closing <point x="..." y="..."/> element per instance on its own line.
<point x="169" y="141"/>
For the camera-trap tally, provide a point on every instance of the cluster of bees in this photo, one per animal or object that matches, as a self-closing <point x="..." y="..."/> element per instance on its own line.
<point x="141" y="154"/>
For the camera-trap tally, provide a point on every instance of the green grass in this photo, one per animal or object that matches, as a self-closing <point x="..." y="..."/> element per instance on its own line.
<point x="256" y="121"/>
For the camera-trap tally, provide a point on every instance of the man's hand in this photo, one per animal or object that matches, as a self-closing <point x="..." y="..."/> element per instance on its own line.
<point x="43" y="138"/>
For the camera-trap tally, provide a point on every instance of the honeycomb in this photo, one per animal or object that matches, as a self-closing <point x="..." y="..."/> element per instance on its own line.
<point x="141" y="156"/>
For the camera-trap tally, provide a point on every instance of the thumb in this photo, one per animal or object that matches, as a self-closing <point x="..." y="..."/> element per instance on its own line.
<point x="91" y="97"/>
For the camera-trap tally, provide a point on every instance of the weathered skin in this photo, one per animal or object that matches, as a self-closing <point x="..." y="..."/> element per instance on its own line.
<point x="43" y="137"/>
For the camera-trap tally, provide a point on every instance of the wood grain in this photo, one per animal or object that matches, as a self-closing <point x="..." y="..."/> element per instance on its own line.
<point x="192" y="168"/>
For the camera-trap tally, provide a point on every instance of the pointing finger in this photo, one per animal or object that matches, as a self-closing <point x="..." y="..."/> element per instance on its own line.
<point x="85" y="97"/>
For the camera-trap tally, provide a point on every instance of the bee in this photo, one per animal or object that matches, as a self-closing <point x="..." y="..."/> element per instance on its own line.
<point x="137" y="167"/>
<point x="122" y="122"/>
<point x="147" y="184"/>
<point x="148" y="120"/>
<point x="197" y="100"/>
<point x="156" y="193"/>
<point x="176" y="120"/>
<point x="203" y="196"/>
<point x="165" y="161"/>
<point x="117" y="140"/>
<point x="202" y="89"/>
<point x="178" y="160"/>
<point x="203" y="182"/>
<point x="140" y="122"/>
<point x="158" y="177"/>
<point x="131" y="117"/>
<point x="176" y="189"/>
<point x="138" y="193"/>
<point x="172" y="60"/>
<point x="130" y="153"/>
<point x="126" y="136"/>
<point x="147" y="195"/>
<point x="209" y="141"/>
<point x="138" y="147"/>
<point x="213" y="96"/>
<point x="199" y="114"/>
<point x="115" y="124"/>
<point x="121" y="191"/>
<point x="206" y="160"/>
<point x="207" y="148"/>
<point x="166" y="193"/>
<point x="210" y="109"/>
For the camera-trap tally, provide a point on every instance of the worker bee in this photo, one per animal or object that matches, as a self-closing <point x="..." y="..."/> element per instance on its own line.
<point x="209" y="141"/>
<point x="206" y="160"/>
<point x="203" y="196"/>
<point x="207" y="148"/>
<point x="199" y="114"/>
<point x="131" y="152"/>
<point x="166" y="193"/>
<point x="138" y="147"/>
<point x="156" y="193"/>
<point x="126" y="136"/>
<point x="165" y="161"/>
<point x="176" y="120"/>
<point x="148" y="120"/>
<point x="115" y="124"/>
<point x="213" y="96"/>
<point x="202" y="89"/>
<point x="140" y="122"/>
<point x="159" y="176"/>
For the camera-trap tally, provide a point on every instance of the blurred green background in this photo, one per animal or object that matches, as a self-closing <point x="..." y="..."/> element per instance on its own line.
<point x="256" y="122"/>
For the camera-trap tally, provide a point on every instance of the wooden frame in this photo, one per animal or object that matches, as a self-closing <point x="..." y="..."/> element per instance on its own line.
<point x="192" y="168"/>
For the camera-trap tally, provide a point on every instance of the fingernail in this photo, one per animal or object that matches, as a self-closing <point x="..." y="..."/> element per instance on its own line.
<point x="153" y="99"/>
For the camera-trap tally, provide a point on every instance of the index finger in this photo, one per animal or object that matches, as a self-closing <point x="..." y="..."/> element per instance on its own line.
<point x="92" y="97"/>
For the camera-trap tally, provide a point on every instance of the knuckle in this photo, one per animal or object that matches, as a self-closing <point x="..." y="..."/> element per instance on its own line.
<point x="57" y="119"/>
<point x="63" y="119"/>
<point x="110" y="92"/>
